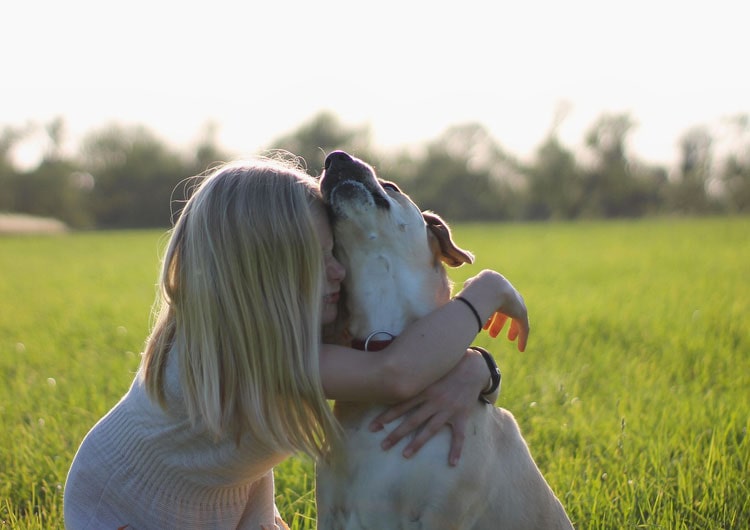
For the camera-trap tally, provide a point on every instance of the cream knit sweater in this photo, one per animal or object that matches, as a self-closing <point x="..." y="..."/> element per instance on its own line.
<point x="141" y="467"/>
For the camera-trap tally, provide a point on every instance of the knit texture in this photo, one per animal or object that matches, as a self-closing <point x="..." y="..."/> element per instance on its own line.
<point x="143" y="467"/>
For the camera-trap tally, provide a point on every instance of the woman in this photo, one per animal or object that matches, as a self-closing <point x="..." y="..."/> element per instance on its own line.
<point x="234" y="377"/>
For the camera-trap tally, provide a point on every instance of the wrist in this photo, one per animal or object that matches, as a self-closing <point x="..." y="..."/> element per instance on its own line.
<point x="473" y="310"/>
<point x="477" y="374"/>
<point x="492" y="386"/>
<point x="485" y="294"/>
<point x="488" y="386"/>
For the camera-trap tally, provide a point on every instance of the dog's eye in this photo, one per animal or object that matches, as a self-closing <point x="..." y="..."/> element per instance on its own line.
<point x="390" y="186"/>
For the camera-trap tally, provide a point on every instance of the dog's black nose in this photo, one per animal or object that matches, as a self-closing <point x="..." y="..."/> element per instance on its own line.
<point x="336" y="156"/>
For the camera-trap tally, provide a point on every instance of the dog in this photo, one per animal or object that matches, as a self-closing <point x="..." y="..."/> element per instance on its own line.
<point x="394" y="256"/>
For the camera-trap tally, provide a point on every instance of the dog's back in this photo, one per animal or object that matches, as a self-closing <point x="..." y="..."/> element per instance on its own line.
<point x="394" y="276"/>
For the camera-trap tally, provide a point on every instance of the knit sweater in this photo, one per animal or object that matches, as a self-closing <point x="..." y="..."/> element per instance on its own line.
<point x="143" y="467"/>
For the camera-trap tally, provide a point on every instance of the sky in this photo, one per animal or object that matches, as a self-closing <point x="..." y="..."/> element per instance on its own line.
<point x="407" y="69"/>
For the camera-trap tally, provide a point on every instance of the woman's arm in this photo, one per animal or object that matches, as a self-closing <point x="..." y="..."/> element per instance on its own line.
<point x="449" y="401"/>
<point x="428" y="349"/>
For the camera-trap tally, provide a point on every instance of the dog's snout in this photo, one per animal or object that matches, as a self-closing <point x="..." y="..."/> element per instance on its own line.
<point x="344" y="171"/>
<point x="336" y="156"/>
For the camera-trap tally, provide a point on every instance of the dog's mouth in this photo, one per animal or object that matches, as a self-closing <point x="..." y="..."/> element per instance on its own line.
<point x="349" y="181"/>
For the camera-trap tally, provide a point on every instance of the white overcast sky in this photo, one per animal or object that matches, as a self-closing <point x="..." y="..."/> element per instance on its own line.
<point x="409" y="69"/>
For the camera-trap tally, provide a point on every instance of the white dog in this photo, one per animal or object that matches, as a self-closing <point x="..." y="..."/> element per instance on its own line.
<point x="392" y="254"/>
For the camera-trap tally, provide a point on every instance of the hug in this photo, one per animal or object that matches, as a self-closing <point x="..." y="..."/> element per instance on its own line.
<point x="269" y="281"/>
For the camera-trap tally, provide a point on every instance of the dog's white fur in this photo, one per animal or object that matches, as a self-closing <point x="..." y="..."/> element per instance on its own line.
<point x="392" y="255"/>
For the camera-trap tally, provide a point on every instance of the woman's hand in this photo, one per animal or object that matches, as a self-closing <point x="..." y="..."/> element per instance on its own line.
<point x="491" y="292"/>
<point x="447" y="402"/>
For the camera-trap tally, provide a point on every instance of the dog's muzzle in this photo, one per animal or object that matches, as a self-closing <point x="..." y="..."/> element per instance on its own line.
<point x="347" y="179"/>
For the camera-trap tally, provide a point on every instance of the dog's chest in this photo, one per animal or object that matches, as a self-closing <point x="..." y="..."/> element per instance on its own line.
<point x="368" y="487"/>
<point x="365" y="453"/>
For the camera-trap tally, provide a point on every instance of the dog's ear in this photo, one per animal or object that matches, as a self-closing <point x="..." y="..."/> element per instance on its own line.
<point x="441" y="243"/>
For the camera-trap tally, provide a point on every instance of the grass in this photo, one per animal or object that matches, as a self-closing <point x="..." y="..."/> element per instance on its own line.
<point x="633" y="393"/>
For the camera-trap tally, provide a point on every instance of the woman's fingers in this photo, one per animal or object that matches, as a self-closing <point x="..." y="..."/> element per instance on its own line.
<point x="419" y="416"/>
<point x="498" y="321"/>
<point x="390" y="414"/>
<point x="514" y="330"/>
<point x="458" y="435"/>
<point x="393" y="413"/>
<point x="518" y="329"/>
<point x="427" y="431"/>
<point x="521" y="331"/>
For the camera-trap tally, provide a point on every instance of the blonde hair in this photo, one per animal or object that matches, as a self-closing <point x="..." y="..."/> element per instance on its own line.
<point x="240" y="294"/>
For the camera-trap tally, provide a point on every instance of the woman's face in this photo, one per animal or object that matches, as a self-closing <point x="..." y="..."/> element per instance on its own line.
<point x="334" y="271"/>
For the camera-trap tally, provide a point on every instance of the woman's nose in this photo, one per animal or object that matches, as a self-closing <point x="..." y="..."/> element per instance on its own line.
<point x="335" y="270"/>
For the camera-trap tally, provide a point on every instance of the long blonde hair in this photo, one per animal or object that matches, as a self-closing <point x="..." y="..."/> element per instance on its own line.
<point x="240" y="298"/>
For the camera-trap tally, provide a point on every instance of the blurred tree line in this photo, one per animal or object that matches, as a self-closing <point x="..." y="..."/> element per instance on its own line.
<point x="126" y="177"/>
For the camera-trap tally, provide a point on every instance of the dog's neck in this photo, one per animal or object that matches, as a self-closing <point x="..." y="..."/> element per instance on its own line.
<point x="372" y="343"/>
<point x="385" y="294"/>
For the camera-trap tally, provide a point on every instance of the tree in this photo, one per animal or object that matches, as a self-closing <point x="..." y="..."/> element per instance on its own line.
<point x="688" y="192"/>
<point x="55" y="188"/>
<point x="554" y="183"/>
<point x="56" y="134"/>
<point x="616" y="186"/>
<point x="324" y="133"/>
<point x="134" y="174"/>
<point x="735" y="174"/>
<point x="9" y="138"/>
<point x="465" y="175"/>
<point x="51" y="189"/>
<point x="207" y="153"/>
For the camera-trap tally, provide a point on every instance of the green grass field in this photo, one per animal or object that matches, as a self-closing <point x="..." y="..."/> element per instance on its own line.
<point x="634" y="392"/>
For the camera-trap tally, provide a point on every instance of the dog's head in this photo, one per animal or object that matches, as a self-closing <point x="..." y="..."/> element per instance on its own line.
<point x="392" y="251"/>
<point x="369" y="211"/>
